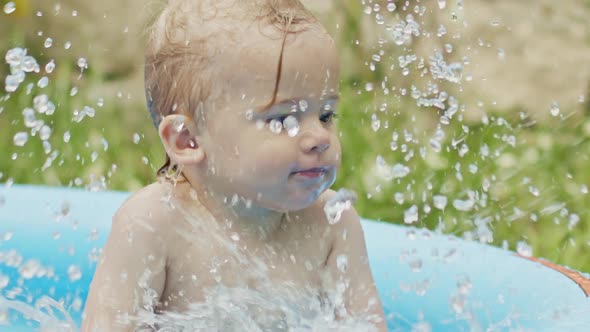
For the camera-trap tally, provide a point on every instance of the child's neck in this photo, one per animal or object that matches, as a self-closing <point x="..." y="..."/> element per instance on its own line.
<point x="238" y="215"/>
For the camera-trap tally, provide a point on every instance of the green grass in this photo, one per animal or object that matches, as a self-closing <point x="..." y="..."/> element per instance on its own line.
<point x="109" y="136"/>
<point x="536" y="190"/>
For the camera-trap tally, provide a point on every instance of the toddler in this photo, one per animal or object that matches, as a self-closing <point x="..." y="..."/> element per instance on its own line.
<point x="234" y="236"/>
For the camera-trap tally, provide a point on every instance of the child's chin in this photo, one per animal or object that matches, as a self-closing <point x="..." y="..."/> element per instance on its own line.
<point x="304" y="203"/>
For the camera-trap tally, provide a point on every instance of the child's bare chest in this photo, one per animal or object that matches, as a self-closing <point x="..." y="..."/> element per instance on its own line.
<point x="239" y="264"/>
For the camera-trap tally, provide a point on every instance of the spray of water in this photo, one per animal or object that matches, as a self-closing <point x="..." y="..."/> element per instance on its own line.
<point x="469" y="165"/>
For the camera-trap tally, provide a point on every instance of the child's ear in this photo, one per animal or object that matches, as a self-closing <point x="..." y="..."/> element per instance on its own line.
<point x="179" y="141"/>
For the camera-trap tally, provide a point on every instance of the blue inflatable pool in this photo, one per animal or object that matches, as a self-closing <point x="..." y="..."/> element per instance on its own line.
<point x="50" y="240"/>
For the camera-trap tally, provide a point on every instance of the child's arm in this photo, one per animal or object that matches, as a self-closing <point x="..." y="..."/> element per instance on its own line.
<point x="130" y="274"/>
<point x="360" y="297"/>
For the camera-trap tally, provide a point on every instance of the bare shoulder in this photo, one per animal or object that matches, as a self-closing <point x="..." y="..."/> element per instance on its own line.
<point x="141" y="222"/>
<point x="167" y="218"/>
<point x="144" y="208"/>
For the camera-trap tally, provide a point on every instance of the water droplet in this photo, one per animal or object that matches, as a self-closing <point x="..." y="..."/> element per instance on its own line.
<point x="291" y="125"/>
<point x="416" y="265"/>
<point x="13" y="81"/>
<point x="29" y="117"/>
<point x="534" y="191"/>
<point x="440" y="201"/>
<point x="66" y="137"/>
<point x="379" y="19"/>
<point x="30" y="64"/>
<point x="15" y="56"/>
<point x="463" y="150"/>
<point x="411" y="215"/>
<point x="375" y="123"/>
<point x="249" y="114"/>
<point x="43" y="82"/>
<point x="67" y="45"/>
<point x="458" y="303"/>
<point x="464" y="205"/>
<point x="82" y="63"/>
<point x="136" y="138"/>
<point x="400" y="171"/>
<point x="86" y="111"/>
<point x="43" y="105"/>
<point x="4" y="281"/>
<point x="554" y="110"/>
<point x="73" y="91"/>
<point x="574" y="219"/>
<point x="501" y="54"/>
<point x="368" y="10"/>
<point x="9" y="7"/>
<point x="524" y="249"/>
<point x="442" y="4"/>
<point x="448" y="48"/>
<point x="391" y="7"/>
<point x="30" y="269"/>
<point x="48" y="43"/>
<point x="342" y="263"/>
<point x="337" y="204"/>
<point x="45" y="133"/>
<point x="442" y="30"/>
<point x="422" y="327"/>
<point x="49" y="67"/>
<point x="303" y="105"/>
<point x="20" y="138"/>
<point x="275" y="126"/>
<point x="369" y="87"/>
<point x="74" y="273"/>
<point x="584" y="189"/>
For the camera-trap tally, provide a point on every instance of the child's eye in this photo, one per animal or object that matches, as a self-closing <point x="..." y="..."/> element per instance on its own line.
<point x="328" y="117"/>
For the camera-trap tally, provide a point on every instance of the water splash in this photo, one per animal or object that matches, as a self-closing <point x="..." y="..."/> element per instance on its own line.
<point x="9" y="7"/>
<point x="291" y="125"/>
<point x="555" y="110"/>
<point x="337" y="204"/>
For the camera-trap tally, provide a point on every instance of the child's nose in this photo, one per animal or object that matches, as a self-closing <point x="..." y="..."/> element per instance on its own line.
<point x="315" y="138"/>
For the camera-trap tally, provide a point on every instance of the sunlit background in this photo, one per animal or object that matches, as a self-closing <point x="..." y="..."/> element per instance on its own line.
<point x="469" y="117"/>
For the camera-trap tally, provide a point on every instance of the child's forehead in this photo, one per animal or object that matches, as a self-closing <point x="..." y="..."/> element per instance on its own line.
<point x="309" y="56"/>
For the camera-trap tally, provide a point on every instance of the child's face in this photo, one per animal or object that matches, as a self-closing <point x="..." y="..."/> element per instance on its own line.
<point x="278" y="171"/>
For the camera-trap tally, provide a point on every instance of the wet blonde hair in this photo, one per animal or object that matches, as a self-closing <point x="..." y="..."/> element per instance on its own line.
<point x="182" y="44"/>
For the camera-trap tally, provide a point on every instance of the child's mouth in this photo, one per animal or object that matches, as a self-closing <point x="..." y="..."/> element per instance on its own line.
<point x="311" y="173"/>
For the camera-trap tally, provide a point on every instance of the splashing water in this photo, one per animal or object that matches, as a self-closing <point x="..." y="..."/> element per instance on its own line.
<point x="291" y="125"/>
<point x="336" y="205"/>
<point x="464" y="188"/>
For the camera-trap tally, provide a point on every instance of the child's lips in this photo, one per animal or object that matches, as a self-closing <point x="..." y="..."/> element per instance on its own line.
<point x="311" y="173"/>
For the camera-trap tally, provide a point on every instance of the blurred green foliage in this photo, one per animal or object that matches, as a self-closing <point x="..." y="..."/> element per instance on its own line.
<point x="524" y="181"/>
